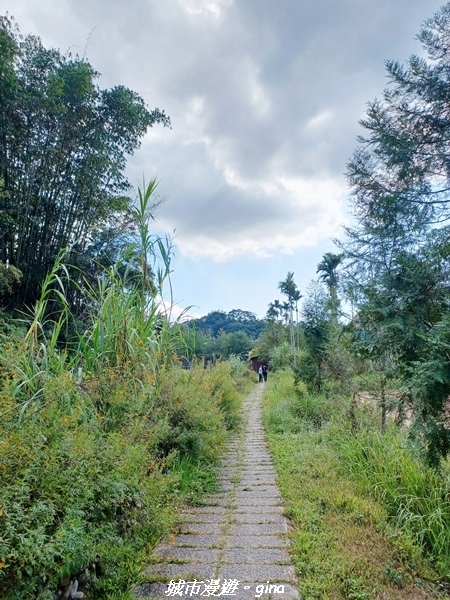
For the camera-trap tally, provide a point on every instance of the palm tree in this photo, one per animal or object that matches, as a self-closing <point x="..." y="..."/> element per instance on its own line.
<point x="278" y="307"/>
<point x="296" y="297"/>
<point x="289" y="288"/>
<point x="286" y="311"/>
<point x="328" y="274"/>
<point x="327" y="269"/>
<point x="272" y="312"/>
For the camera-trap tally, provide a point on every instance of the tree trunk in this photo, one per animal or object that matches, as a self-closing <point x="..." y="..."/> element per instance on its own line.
<point x="383" y="404"/>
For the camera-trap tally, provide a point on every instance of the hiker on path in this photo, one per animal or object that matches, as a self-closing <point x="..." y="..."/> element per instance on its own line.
<point x="264" y="370"/>
<point x="260" y="373"/>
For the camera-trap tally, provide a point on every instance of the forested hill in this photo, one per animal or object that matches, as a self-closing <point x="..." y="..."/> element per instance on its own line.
<point x="235" y="320"/>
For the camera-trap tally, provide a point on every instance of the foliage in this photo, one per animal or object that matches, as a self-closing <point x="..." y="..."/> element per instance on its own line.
<point x="234" y="321"/>
<point x="65" y="143"/>
<point x="397" y="252"/>
<point x="279" y="343"/>
<point x="220" y="335"/>
<point x="281" y="356"/>
<point x="236" y="343"/>
<point x="9" y="277"/>
<point x="316" y="328"/>
<point x="289" y="288"/>
<point x="362" y="507"/>
<point x="240" y="373"/>
<point x="273" y="335"/>
<point x="126" y="324"/>
<point x="193" y="343"/>
<point x="415" y="496"/>
<point x="11" y="329"/>
<point x="89" y="465"/>
<point x="90" y="475"/>
<point x="328" y="269"/>
<point x="104" y="436"/>
<point x="403" y="161"/>
<point x="429" y="386"/>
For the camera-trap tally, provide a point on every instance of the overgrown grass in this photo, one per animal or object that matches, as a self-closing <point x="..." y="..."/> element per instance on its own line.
<point x="95" y="474"/>
<point x="102" y="439"/>
<point x="415" y="496"/>
<point x="349" y="539"/>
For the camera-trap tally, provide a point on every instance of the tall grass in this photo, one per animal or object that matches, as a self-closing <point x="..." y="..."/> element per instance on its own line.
<point x="417" y="498"/>
<point x="385" y="467"/>
<point x="117" y="330"/>
<point x="38" y="356"/>
<point x="101" y="439"/>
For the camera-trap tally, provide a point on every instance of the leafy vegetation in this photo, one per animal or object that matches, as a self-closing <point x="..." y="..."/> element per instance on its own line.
<point x="93" y="473"/>
<point x="221" y="334"/>
<point x="105" y="432"/>
<point x="64" y="146"/>
<point x="376" y="320"/>
<point x="103" y="436"/>
<point x="368" y="519"/>
<point x="230" y="322"/>
<point x="397" y="253"/>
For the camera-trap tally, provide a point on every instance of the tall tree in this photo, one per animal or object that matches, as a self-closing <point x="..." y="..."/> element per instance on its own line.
<point x="63" y="148"/>
<point x="315" y="322"/>
<point x="272" y="312"/>
<point x="398" y="251"/>
<point x="289" y="288"/>
<point x="404" y="158"/>
<point x="327" y="268"/>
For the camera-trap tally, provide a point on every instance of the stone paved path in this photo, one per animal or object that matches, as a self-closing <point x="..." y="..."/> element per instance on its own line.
<point x="238" y="536"/>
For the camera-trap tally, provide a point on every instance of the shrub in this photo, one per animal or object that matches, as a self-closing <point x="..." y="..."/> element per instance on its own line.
<point x="100" y="441"/>
<point x="91" y="470"/>
<point x="281" y="356"/>
<point x="368" y="517"/>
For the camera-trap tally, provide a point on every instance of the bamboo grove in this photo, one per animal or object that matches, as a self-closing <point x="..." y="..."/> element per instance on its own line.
<point x="64" y="143"/>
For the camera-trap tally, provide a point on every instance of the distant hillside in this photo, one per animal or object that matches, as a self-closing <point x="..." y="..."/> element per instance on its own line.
<point x="235" y="320"/>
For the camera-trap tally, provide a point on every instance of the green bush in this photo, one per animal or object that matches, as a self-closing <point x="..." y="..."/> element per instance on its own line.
<point x="415" y="495"/>
<point x="71" y="490"/>
<point x="91" y="471"/>
<point x="281" y="356"/>
<point x="101" y="440"/>
<point x="385" y="466"/>
<point x="199" y="405"/>
<point x="280" y="400"/>
<point x="10" y="328"/>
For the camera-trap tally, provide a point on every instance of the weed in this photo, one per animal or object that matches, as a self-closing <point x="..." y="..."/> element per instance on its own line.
<point x="102" y="442"/>
<point x="343" y="532"/>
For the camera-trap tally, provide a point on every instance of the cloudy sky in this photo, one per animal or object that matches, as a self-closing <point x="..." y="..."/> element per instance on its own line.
<point x="264" y="98"/>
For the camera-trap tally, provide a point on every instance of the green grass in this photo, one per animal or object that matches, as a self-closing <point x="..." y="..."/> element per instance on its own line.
<point x="102" y="440"/>
<point x="415" y="496"/>
<point x="346" y="542"/>
<point x="98" y="473"/>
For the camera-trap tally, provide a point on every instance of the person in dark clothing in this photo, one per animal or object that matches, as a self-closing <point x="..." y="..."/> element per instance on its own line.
<point x="264" y="372"/>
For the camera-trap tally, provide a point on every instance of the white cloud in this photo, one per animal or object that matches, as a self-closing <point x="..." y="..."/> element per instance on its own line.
<point x="297" y="220"/>
<point x="175" y="313"/>
<point x="258" y="98"/>
<point x="212" y="8"/>
<point x="320" y="119"/>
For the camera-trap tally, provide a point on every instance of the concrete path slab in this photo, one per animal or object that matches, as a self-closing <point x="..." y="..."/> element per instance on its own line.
<point x="236" y="543"/>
